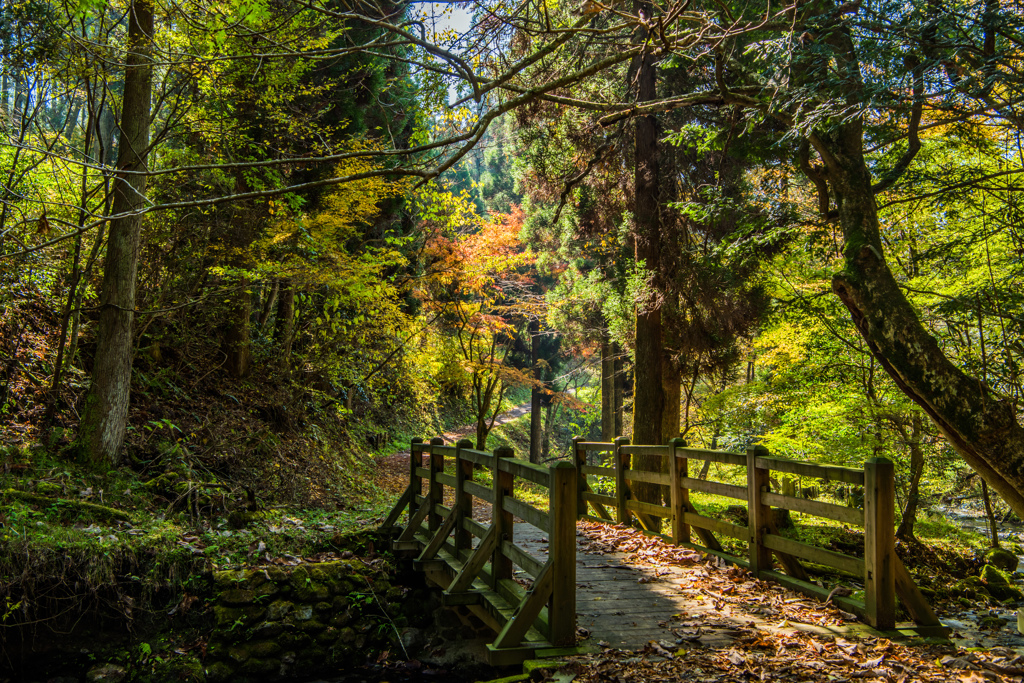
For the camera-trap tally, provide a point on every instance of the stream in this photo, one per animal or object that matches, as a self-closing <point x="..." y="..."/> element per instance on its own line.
<point x="967" y="630"/>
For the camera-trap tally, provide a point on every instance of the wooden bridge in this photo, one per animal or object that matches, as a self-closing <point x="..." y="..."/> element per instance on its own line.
<point x="463" y="535"/>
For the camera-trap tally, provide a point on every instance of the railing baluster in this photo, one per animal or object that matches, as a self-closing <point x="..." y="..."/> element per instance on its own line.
<point x="435" y="496"/>
<point x="501" y="566"/>
<point x="758" y="514"/>
<point x="562" y="553"/>
<point x="415" y="460"/>
<point x="622" y="461"/>
<point x="879" y="543"/>
<point x="464" y="501"/>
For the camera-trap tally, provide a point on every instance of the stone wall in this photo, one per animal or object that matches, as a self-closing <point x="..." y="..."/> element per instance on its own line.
<point x="295" y="621"/>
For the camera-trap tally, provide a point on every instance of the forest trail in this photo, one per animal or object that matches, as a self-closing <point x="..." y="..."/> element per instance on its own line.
<point x="391" y="472"/>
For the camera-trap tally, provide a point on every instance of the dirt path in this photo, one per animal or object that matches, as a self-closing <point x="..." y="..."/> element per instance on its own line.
<point x="391" y="472"/>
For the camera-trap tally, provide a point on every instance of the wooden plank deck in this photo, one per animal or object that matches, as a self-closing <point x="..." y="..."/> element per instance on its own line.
<point x="626" y="606"/>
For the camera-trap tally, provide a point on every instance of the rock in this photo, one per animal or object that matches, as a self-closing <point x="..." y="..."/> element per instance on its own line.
<point x="237" y="596"/>
<point x="1002" y="558"/>
<point x="998" y="584"/>
<point x="311" y="626"/>
<point x="993" y="576"/>
<point x="327" y="636"/>
<point x="230" y="618"/>
<point x="264" y="649"/>
<point x="48" y="488"/>
<point x="303" y="613"/>
<point x="107" y="673"/>
<point x="788" y="486"/>
<point x="260" y="667"/>
<point x="278" y="610"/>
<point x="412" y="638"/>
<point x="218" y="672"/>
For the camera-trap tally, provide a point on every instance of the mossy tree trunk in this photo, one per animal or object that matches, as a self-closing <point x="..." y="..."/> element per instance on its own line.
<point x="979" y="424"/>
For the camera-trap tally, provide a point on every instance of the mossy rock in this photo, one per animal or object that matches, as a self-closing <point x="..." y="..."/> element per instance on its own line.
<point x="327" y="636"/>
<point x="235" y="617"/>
<point x="164" y="483"/>
<point x="261" y="667"/>
<point x="311" y="591"/>
<point x="264" y="649"/>
<point x="238" y="597"/>
<point x="293" y="641"/>
<point x="340" y="569"/>
<point x="185" y="668"/>
<point x="994" y="576"/>
<point x="1002" y="558"/>
<point x="340" y="587"/>
<point x="341" y="618"/>
<point x="311" y="626"/>
<point x="219" y="672"/>
<point x="48" y="488"/>
<point x="231" y="578"/>
<point x="279" y="609"/>
<point x="991" y="622"/>
<point x="267" y="630"/>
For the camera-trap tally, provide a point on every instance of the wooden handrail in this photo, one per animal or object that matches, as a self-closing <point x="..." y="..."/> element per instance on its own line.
<point x="433" y="527"/>
<point x="442" y="534"/>
<point x="878" y="567"/>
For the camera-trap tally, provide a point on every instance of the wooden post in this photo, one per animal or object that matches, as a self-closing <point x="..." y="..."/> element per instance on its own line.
<point x="501" y="566"/>
<point x="680" y="497"/>
<point x="879" y="543"/>
<point x="758" y="514"/>
<point x="435" y="496"/>
<point x="415" y="460"/>
<point x="464" y="501"/>
<point x="622" y="462"/>
<point x="562" y="554"/>
<point x="579" y="459"/>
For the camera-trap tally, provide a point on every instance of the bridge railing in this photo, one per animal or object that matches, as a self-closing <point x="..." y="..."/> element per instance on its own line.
<point x="474" y="560"/>
<point x="883" y="574"/>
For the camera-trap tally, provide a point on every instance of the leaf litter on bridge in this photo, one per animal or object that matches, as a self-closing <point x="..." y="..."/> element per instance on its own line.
<point x="786" y="638"/>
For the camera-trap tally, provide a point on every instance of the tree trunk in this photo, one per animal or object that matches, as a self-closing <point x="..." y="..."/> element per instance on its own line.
<point x="549" y="427"/>
<point x="270" y="303"/>
<point x="649" y="393"/>
<point x="481" y="434"/>
<point x="906" y="527"/>
<point x="105" y="414"/>
<point x="620" y="388"/>
<point x="980" y="426"/>
<point x="607" y="390"/>
<point x="536" y="428"/>
<point x="993" y="529"/>
<point x="284" y="331"/>
<point x="235" y="341"/>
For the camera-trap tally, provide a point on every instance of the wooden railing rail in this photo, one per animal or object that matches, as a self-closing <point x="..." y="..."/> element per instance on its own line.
<point x="474" y="561"/>
<point x="603" y="494"/>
